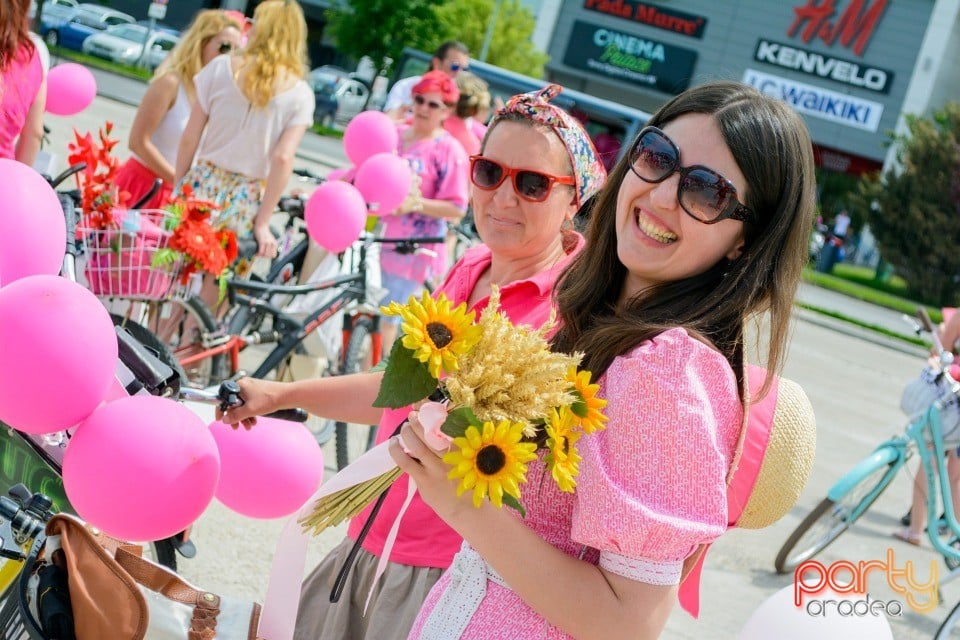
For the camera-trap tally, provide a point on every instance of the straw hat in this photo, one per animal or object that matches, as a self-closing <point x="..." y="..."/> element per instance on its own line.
<point x="787" y="460"/>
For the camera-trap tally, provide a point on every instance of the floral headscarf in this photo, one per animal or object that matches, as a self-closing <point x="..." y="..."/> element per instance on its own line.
<point x="588" y="170"/>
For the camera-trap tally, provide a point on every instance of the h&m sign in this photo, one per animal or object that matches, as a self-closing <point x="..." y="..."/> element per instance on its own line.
<point x="854" y="27"/>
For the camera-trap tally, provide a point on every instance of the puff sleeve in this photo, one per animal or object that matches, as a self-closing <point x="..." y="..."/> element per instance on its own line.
<point x="652" y="485"/>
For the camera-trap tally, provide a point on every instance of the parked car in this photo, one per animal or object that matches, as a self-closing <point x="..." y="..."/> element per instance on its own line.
<point x="124" y="44"/>
<point x="84" y="21"/>
<point x="339" y="95"/>
<point x="53" y="6"/>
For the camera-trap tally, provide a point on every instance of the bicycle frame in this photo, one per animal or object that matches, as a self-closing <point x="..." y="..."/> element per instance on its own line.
<point x="893" y="452"/>
<point x="929" y="423"/>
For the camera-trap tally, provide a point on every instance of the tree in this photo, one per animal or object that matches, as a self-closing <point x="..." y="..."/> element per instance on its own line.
<point x="511" y="46"/>
<point x="382" y="28"/>
<point x="914" y="209"/>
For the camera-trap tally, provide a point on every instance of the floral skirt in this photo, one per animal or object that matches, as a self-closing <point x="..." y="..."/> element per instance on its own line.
<point x="395" y="603"/>
<point x="238" y="196"/>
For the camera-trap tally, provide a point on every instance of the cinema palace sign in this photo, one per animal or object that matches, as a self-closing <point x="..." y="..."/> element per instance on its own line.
<point x="854" y="74"/>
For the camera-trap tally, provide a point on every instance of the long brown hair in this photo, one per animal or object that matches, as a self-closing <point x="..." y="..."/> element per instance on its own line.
<point x="14" y="32"/>
<point x="772" y="148"/>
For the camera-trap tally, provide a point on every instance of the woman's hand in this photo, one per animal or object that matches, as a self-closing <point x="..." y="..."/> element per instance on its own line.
<point x="259" y="398"/>
<point x="266" y="242"/>
<point x="425" y="466"/>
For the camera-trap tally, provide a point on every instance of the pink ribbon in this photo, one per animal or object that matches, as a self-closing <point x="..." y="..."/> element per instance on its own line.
<point x="759" y="426"/>
<point x="279" y="614"/>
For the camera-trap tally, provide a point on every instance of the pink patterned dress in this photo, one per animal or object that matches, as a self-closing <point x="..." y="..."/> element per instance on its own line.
<point x="652" y="488"/>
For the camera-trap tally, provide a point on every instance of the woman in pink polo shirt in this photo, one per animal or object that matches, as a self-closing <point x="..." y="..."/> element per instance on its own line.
<point x="535" y="169"/>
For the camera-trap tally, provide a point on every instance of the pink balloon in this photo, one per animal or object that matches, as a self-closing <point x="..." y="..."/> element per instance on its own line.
<point x="344" y="173"/>
<point x="384" y="182"/>
<point x="269" y="471"/>
<point x="70" y="89"/>
<point x="369" y="133"/>
<point x="33" y="235"/>
<point x="335" y="215"/>
<point x="59" y="354"/>
<point x="141" y="468"/>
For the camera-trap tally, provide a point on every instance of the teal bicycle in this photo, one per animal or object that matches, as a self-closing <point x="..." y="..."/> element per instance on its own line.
<point x="856" y="491"/>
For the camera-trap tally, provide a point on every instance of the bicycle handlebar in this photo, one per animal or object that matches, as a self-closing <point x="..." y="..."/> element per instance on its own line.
<point x="228" y="395"/>
<point x="22" y="517"/>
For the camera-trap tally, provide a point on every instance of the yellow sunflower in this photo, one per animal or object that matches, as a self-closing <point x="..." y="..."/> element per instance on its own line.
<point x="562" y="460"/>
<point x="491" y="461"/>
<point x="434" y="332"/>
<point x="588" y="410"/>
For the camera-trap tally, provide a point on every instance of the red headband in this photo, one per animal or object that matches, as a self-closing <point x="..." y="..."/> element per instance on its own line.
<point x="439" y="82"/>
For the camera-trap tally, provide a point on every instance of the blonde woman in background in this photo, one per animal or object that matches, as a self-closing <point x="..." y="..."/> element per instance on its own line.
<point x="251" y="113"/>
<point x="165" y="108"/>
<point x="465" y="123"/>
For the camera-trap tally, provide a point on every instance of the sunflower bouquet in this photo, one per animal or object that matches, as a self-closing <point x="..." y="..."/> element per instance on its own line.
<point x="497" y="394"/>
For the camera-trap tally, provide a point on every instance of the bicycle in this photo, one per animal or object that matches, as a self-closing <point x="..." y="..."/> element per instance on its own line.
<point x="256" y="319"/>
<point x="851" y="496"/>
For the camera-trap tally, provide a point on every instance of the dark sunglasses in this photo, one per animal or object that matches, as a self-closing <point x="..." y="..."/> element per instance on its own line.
<point x="454" y="66"/>
<point x="420" y="101"/>
<point x="533" y="186"/>
<point x="225" y="47"/>
<point x="702" y="192"/>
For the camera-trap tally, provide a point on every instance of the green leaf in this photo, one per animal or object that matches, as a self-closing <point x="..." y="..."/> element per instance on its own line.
<point x="458" y="420"/>
<point x="406" y="380"/>
<point x="579" y="406"/>
<point x="164" y="257"/>
<point x="513" y="503"/>
<point x="380" y="366"/>
<point x="222" y="285"/>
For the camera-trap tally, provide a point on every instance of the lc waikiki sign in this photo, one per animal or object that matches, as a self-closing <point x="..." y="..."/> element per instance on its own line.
<point x="812" y="579"/>
<point x="818" y="102"/>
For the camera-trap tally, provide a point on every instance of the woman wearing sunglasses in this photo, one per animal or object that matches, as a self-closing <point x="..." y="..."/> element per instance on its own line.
<point x="699" y="228"/>
<point x="165" y="108"/>
<point x="535" y="169"/>
<point x="440" y="165"/>
<point x="251" y="113"/>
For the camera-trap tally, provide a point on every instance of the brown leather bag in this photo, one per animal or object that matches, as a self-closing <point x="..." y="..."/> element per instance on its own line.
<point x="114" y="592"/>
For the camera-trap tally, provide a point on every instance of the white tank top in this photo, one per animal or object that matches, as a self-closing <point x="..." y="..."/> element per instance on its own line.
<point x="167" y="136"/>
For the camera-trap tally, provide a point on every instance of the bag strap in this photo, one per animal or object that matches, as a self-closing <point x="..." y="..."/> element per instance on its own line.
<point x="206" y="605"/>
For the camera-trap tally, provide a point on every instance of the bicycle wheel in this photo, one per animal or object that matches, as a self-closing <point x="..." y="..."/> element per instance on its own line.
<point x="145" y="337"/>
<point x="352" y="440"/>
<point x="950" y="629"/>
<point x="830" y="518"/>
<point x="188" y="329"/>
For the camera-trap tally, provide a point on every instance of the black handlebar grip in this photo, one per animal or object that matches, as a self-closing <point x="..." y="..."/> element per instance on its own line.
<point x="293" y="415"/>
<point x="925" y="319"/>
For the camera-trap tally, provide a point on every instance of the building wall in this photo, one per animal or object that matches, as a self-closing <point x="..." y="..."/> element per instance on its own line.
<point x="642" y="53"/>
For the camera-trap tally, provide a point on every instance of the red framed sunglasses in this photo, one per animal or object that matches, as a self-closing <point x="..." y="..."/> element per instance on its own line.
<point x="530" y="185"/>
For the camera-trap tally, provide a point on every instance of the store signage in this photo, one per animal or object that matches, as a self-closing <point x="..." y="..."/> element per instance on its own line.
<point x="817" y="102"/>
<point x="626" y="57"/>
<point x="685" y="24"/>
<point x="854" y="74"/>
<point x="854" y="27"/>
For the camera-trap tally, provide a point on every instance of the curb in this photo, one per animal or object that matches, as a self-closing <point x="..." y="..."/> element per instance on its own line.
<point x="856" y="331"/>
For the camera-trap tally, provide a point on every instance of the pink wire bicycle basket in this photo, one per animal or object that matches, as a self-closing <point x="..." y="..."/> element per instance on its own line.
<point x="120" y="259"/>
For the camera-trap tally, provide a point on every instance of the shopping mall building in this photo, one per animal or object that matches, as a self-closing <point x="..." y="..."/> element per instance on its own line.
<point x="852" y="68"/>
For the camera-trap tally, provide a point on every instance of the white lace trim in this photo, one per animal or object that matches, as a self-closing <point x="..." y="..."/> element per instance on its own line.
<point x="642" y="570"/>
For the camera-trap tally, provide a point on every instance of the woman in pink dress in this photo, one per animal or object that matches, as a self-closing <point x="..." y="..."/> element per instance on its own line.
<point x="23" y="87"/>
<point x="700" y="227"/>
